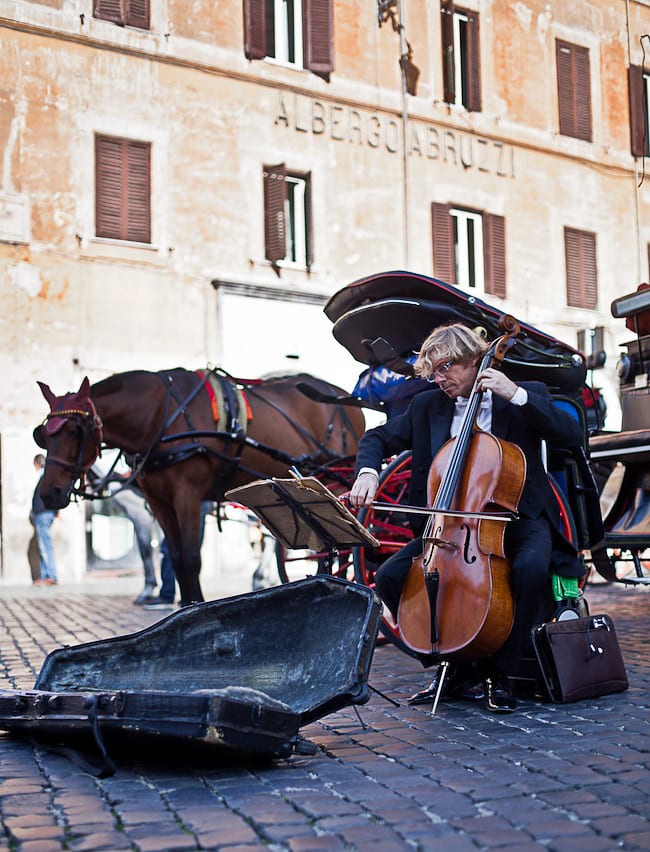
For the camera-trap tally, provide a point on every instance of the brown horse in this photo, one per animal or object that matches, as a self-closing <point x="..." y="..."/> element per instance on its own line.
<point x="164" y="423"/>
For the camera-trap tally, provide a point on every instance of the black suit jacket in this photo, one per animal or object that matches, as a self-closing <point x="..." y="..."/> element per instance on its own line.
<point x="425" y="426"/>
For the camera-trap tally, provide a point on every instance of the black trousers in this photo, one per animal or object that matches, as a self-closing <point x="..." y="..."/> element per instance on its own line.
<point x="529" y="545"/>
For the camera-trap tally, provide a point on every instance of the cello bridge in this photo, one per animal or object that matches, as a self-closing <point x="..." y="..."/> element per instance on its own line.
<point x="441" y="542"/>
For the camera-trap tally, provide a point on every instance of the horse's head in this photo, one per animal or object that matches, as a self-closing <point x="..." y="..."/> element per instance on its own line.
<point x="72" y="435"/>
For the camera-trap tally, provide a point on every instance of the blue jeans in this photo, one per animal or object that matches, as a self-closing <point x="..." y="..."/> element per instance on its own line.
<point x="42" y="523"/>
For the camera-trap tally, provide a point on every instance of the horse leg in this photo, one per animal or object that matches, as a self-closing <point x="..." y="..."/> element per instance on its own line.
<point x="181" y="524"/>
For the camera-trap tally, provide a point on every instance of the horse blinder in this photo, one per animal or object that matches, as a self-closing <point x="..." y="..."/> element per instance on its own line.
<point x="39" y="436"/>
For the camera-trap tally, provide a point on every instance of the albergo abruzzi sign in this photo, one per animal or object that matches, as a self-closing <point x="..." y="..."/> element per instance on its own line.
<point x="361" y="127"/>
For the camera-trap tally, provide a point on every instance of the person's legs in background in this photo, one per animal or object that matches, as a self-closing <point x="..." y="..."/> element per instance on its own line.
<point x="42" y="525"/>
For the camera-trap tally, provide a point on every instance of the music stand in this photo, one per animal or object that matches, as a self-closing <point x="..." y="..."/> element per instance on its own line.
<point x="303" y="513"/>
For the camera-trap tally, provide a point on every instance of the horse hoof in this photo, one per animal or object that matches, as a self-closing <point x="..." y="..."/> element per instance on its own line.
<point x="144" y="595"/>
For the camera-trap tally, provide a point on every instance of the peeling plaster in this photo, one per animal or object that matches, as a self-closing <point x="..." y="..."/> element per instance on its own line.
<point x="16" y="128"/>
<point x="524" y="15"/>
<point x="26" y="277"/>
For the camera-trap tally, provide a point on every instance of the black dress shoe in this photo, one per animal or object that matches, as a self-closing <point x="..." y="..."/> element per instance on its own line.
<point x="458" y="683"/>
<point x="499" y="697"/>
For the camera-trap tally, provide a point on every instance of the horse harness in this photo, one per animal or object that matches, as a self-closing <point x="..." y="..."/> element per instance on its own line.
<point x="233" y="432"/>
<point x="91" y="427"/>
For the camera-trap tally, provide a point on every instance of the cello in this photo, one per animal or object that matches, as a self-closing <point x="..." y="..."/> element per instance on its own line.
<point x="457" y="603"/>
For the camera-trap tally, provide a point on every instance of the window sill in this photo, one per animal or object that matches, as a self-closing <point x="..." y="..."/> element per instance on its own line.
<point x="100" y="247"/>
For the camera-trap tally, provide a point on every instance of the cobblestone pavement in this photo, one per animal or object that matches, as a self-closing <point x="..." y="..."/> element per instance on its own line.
<point x="570" y="777"/>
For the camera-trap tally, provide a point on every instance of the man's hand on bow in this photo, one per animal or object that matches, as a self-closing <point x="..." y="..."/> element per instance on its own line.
<point x="364" y="489"/>
<point x="497" y="382"/>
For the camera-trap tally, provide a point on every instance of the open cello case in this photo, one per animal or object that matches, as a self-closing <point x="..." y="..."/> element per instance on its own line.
<point x="236" y="677"/>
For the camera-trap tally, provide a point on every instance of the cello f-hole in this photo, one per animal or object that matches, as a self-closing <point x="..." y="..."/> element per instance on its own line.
<point x="466" y="557"/>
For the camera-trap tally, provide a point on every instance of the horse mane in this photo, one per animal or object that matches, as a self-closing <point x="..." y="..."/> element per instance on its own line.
<point x="115" y="382"/>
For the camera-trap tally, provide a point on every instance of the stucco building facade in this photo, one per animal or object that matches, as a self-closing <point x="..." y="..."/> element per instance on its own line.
<point x="186" y="183"/>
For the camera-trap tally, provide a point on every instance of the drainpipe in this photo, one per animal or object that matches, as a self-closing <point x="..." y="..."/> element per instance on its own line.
<point x="403" y="49"/>
<point x="636" y="165"/>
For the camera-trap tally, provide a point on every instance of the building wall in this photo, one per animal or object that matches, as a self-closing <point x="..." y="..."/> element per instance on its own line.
<point x="75" y="305"/>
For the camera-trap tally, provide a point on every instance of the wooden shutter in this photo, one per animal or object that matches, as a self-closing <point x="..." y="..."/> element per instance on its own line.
<point x="108" y="187"/>
<point x="443" y="243"/>
<point x="138" y="192"/>
<point x="122" y="189"/>
<point x="494" y="255"/>
<point x="109" y="10"/>
<point x="638" y="112"/>
<point x="318" y="35"/>
<point x="473" y="64"/>
<point x="275" y="225"/>
<point x="574" y="90"/>
<point x="447" y="28"/>
<point x="255" y="29"/>
<point x="133" y="13"/>
<point x="137" y="14"/>
<point x="581" y="272"/>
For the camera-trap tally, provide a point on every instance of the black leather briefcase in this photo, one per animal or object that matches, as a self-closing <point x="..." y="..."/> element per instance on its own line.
<point x="579" y="658"/>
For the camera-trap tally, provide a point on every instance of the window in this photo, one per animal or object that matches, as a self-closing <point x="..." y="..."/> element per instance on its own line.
<point x="460" y="56"/>
<point x="287" y="216"/>
<point x="122" y="189"/>
<point x="581" y="275"/>
<point x="574" y="90"/>
<point x="469" y="249"/>
<point x="129" y="13"/>
<point x="294" y="32"/>
<point x="638" y="86"/>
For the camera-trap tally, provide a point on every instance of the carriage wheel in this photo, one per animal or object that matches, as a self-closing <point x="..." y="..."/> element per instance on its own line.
<point x="567" y="522"/>
<point x="393" y="531"/>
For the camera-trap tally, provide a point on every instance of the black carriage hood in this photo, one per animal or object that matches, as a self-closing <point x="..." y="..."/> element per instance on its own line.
<point x="403" y="307"/>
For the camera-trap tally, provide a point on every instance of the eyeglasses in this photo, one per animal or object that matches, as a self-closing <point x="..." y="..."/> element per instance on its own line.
<point x="442" y="369"/>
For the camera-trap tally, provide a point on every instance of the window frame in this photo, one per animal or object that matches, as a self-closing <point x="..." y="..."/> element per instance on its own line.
<point x="287" y="217"/>
<point x="461" y="64"/>
<point x="467" y="256"/>
<point x="489" y="253"/>
<point x="313" y="36"/>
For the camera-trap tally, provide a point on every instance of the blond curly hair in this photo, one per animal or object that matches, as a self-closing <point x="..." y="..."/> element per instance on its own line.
<point x="455" y="342"/>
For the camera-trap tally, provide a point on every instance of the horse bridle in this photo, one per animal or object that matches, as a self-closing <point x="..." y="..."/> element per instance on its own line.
<point x="91" y="428"/>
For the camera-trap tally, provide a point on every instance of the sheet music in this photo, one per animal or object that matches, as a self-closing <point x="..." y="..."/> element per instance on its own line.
<point x="303" y="513"/>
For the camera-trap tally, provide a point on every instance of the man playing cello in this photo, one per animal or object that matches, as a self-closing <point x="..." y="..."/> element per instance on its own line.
<point x="521" y="414"/>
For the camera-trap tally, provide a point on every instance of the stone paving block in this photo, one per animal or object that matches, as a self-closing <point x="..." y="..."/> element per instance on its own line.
<point x="305" y="844"/>
<point x="555" y="825"/>
<point x="26" y="833"/>
<point x="639" y="840"/>
<point x="615" y="826"/>
<point x="95" y="842"/>
<point x="281" y="832"/>
<point x="580" y="843"/>
<point x="164" y="840"/>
